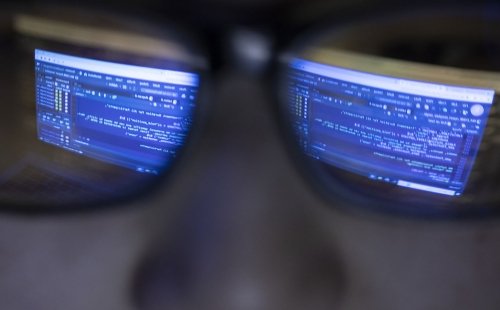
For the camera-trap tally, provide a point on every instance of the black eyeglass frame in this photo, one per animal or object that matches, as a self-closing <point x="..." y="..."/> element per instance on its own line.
<point x="283" y="32"/>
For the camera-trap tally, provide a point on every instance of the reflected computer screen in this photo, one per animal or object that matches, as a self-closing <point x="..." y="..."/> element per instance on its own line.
<point x="414" y="134"/>
<point x="130" y="116"/>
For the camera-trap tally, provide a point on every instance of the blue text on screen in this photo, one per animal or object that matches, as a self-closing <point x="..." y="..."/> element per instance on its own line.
<point x="419" y="135"/>
<point x="131" y="116"/>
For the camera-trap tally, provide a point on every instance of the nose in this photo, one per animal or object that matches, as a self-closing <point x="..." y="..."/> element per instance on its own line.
<point x="245" y="238"/>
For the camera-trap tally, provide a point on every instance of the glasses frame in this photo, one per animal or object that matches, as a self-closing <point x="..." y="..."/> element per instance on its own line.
<point x="283" y="33"/>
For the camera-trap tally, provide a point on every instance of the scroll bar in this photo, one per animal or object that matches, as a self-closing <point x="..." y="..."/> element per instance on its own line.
<point x="426" y="188"/>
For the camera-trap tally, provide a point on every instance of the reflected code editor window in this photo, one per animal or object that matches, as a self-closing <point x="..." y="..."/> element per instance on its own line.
<point x="131" y="116"/>
<point x="414" y="134"/>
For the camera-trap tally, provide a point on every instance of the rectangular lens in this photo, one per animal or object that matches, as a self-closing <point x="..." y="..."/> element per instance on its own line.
<point x="131" y="116"/>
<point x="419" y="135"/>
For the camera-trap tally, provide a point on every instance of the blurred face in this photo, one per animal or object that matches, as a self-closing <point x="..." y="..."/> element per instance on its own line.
<point x="239" y="228"/>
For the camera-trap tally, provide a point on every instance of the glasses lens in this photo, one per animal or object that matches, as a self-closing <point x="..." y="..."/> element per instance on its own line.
<point x="405" y="120"/>
<point x="92" y="111"/>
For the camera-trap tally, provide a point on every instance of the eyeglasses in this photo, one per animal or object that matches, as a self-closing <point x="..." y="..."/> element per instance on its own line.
<point x="377" y="116"/>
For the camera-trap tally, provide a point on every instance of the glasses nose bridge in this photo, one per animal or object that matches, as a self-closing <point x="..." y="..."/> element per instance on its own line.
<point x="249" y="50"/>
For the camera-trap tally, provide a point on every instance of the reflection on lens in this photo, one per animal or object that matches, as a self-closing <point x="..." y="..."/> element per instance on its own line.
<point x="98" y="115"/>
<point x="130" y="116"/>
<point x="400" y="135"/>
<point x="414" y="134"/>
